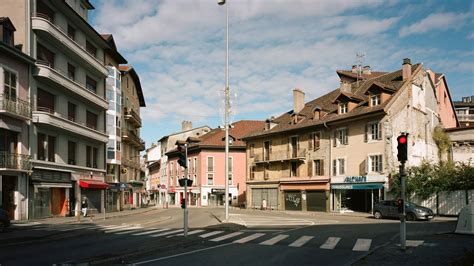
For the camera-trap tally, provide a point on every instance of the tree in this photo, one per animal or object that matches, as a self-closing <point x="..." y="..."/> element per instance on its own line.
<point x="442" y="141"/>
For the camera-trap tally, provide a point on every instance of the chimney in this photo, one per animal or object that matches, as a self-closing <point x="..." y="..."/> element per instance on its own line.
<point x="354" y="68"/>
<point x="406" y="69"/>
<point x="366" y="70"/>
<point x="186" y="125"/>
<point x="298" y="100"/>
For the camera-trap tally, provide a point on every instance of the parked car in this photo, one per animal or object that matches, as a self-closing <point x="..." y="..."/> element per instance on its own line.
<point x="4" y="219"/>
<point x="389" y="209"/>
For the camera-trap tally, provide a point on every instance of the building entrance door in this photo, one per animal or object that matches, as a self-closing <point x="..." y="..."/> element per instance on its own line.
<point x="9" y="186"/>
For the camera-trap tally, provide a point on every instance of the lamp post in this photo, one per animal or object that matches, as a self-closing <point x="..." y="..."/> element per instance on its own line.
<point x="227" y="108"/>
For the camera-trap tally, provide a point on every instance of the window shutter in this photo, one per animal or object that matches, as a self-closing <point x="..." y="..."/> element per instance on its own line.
<point x="317" y="140"/>
<point x="335" y="139"/>
<point x="380" y="163"/>
<point x="366" y="137"/>
<point x="379" y="129"/>
<point x="346" y="137"/>
<point x="334" y="167"/>
<point x="310" y="141"/>
<point x="321" y="167"/>
<point x="363" y="167"/>
<point x="310" y="168"/>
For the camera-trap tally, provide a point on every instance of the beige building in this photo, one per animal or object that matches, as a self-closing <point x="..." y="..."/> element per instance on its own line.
<point x="67" y="134"/>
<point x="338" y="152"/>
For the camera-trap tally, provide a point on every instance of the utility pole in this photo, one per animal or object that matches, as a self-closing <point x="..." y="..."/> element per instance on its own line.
<point x="185" y="219"/>
<point x="403" y="226"/>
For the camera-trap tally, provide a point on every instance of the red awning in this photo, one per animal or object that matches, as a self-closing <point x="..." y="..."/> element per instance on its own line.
<point x="93" y="184"/>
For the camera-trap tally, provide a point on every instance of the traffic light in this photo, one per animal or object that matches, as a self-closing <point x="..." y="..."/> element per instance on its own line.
<point x="183" y="203"/>
<point x="400" y="205"/>
<point x="182" y="156"/>
<point x="402" y="141"/>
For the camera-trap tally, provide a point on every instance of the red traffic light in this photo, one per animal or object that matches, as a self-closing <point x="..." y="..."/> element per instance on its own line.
<point x="402" y="139"/>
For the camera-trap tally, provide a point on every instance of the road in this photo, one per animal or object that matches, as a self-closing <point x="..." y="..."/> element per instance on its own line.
<point x="253" y="238"/>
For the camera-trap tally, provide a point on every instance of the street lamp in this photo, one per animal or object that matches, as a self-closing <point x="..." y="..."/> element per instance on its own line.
<point x="227" y="108"/>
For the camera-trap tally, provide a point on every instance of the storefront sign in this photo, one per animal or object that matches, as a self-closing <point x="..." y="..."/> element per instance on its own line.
<point x="355" y="179"/>
<point x="358" y="186"/>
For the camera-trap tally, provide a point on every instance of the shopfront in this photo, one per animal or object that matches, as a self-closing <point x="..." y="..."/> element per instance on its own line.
<point x="94" y="192"/>
<point x="357" y="193"/>
<point x="306" y="195"/>
<point x="113" y="196"/>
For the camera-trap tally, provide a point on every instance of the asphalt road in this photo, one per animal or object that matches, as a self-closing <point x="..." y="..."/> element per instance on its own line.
<point x="153" y="238"/>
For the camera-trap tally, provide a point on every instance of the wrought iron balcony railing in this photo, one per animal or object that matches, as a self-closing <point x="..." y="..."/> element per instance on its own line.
<point x="15" y="161"/>
<point x="15" y="106"/>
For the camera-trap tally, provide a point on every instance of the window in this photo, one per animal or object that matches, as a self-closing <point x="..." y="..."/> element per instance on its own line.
<point x="266" y="150"/>
<point x="51" y="148"/>
<point x="91" y="84"/>
<point x="338" y="166"/>
<point x="210" y="170"/>
<point x="41" y="146"/>
<point x="373" y="131"/>
<point x="88" y="156"/>
<point x="71" y="31"/>
<point x="44" y="56"/>
<point x="294" y="146"/>
<point x="111" y="150"/>
<point x="375" y="163"/>
<point x="314" y="141"/>
<point x="375" y="100"/>
<point x="71" y="72"/>
<point x="71" y="111"/>
<point x="252" y="172"/>
<point x="340" y="137"/>
<point x="171" y="169"/>
<point x="343" y="107"/>
<point x="90" y="48"/>
<point x="318" y="167"/>
<point x="231" y="167"/>
<point x="252" y="149"/>
<point x="45" y="101"/>
<point x="91" y="120"/>
<point x="195" y="169"/>
<point x="44" y="11"/>
<point x="71" y="152"/>
<point x="95" y="157"/>
<point x="92" y="154"/>
<point x="8" y="36"/>
<point x="9" y="90"/>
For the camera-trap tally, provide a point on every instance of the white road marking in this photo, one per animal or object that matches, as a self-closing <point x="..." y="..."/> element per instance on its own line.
<point x="211" y="234"/>
<point x="301" y="241"/>
<point x="274" y="240"/>
<point x="330" y="243"/>
<point x="128" y="231"/>
<point x="121" y="229"/>
<point x="192" y="232"/>
<point x="249" y="238"/>
<point x="224" y="237"/>
<point x="362" y="244"/>
<point x="150" y="232"/>
<point x="414" y="243"/>
<point x="168" y="233"/>
<point x="26" y="224"/>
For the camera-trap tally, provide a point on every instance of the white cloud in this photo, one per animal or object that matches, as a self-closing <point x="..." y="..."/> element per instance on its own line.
<point x="437" y="21"/>
<point x="470" y="36"/>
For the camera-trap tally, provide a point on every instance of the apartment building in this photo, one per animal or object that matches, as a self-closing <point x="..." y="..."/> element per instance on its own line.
<point x="67" y="134"/>
<point x="15" y="115"/>
<point x="155" y="187"/>
<point x="206" y="160"/>
<point x="338" y="152"/>
<point x="465" y="111"/>
<point x="113" y="59"/>
<point x="131" y="146"/>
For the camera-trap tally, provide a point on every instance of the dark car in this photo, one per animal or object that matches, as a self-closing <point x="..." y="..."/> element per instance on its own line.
<point x="4" y="219"/>
<point x="389" y="209"/>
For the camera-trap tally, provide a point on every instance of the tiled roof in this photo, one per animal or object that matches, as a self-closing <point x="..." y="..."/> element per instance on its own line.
<point x="391" y="80"/>
<point x="239" y="129"/>
<point x="128" y="69"/>
<point x="351" y="74"/>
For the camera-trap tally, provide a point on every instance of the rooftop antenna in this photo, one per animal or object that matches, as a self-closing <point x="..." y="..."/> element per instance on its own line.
<point x="359" y="61"/>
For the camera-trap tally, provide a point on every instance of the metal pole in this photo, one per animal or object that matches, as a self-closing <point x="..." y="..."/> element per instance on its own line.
<point x="227" y="107"/>
<point x="185" y="220"/>
<point x="403" y="232"/>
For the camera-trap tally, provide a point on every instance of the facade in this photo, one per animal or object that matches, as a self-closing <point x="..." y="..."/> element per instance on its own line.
<point x="113" y="59"/>
<point x="462" y="144"/>
<point x="131" y="145"/>
<point x="167" y="170"/>
<point x="67" y="133"/>
<point x="465" y="111"/>
<point x="206" y="160"/>
<point x="154" y="186"/>
<point x="338" y="152"/>
<point x="15" y="116"/>
<point x="446" y="111"/>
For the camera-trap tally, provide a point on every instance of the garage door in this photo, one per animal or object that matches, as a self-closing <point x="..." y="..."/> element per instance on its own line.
<point x="316" y="200"/>
<point x="93" y="198"/>
<point x="293" y="201"/>
<point x="270" y="195"/>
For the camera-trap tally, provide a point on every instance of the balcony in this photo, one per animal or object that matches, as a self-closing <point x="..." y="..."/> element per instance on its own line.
<point x="58" y="78"/>
<point x="15" y="108"/>
<point x="58" y="37"/>
<point x="281" y="157"/>
<point x="13" y="161"/>
<point x="465" y="117"/>
<point x="129" y="136"/>
<point x="131" y="163"/>
<point x="49" y="118"/>
<point x="132" y="116"/>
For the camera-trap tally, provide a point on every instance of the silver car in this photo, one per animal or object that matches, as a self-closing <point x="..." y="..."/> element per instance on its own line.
<point x="389" y="209"/>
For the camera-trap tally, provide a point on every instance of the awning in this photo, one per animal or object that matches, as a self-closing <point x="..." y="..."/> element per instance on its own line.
<point x="357" y="186"/>
<point x="136" y="183"/>
<point x="93" y="184"/>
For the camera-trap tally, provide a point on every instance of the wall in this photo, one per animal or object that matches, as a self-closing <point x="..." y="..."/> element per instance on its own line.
<point x="17" y="11"/>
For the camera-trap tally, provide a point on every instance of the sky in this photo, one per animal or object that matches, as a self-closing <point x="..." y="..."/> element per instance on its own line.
<point x="178" y="50"/>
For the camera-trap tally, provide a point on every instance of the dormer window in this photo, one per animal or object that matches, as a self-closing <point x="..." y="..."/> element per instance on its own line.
<point x="343" y="107"/>
<point x="375" y="100"/>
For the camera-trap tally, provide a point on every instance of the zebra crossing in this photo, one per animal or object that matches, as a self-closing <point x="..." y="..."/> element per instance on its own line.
<point x="238" y="237"/>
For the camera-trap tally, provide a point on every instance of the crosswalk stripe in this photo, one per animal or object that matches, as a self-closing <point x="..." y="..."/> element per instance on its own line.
<point x="192" y="232"/>
<point x="330" y="243"/>
<point x="274" y="240"/>
<point x="128" y="231"/>
<point x="168" y="233"/>
<point x="301" y="241"/>
<point x="414" y="243"/>
<point x="224" y="237"/>
<point x="362" y="244"/>
<point x="211" y="234"/>
<point x="26" y="224"/>
<point x="249" y="238"/>
<point x="150" y="232"/>
<point x="111" y="227"/>
<point x="121" y="229"/>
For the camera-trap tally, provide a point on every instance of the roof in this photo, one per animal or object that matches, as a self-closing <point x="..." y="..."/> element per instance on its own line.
<point x="349" y="73"/>
<point x="181" y="132"/>
<point x="239" y="129"/>
<point x="130" y="70"/>
<point x="7" y="23"/>
<point x="392" y="81"/>
<point x="109" y="38"/>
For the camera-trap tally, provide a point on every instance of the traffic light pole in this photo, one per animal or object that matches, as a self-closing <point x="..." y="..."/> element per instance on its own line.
<point x="185" y="209"/>
<point x="403" y="227"/>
